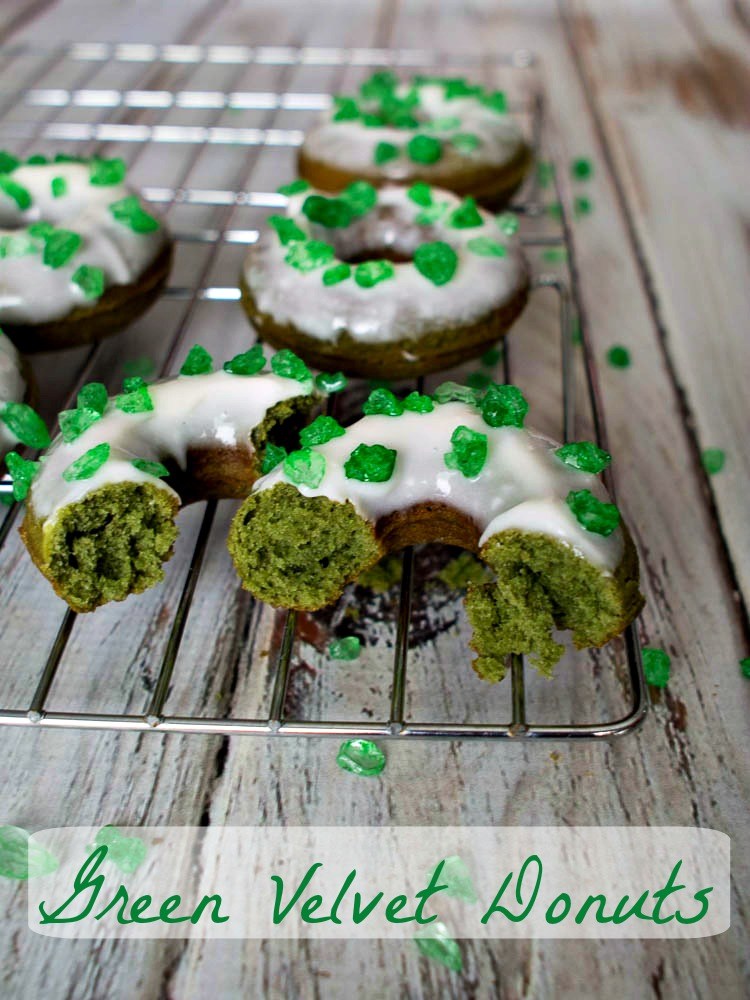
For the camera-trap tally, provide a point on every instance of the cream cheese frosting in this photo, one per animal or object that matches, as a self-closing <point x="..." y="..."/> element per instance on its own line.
<point x="12" y="387"/>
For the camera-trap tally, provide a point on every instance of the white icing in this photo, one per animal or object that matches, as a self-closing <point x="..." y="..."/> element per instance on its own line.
<point x="189" y="411"/>
<point x="31" y="292"/>
<point x="12" y="387"/>
<point x="350" y="145"/>
<point x="522" y="485"/>
<point x="403" y="307"/>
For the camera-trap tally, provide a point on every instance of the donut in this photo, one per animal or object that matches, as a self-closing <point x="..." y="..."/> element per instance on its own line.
<point x="459" y="468"/>
<point x="19" y="423"/>
<point x="442" y="130"/>
<point x="391" y="283"/>
<point x="101" y="506"/>
<point x="80" y="257"/>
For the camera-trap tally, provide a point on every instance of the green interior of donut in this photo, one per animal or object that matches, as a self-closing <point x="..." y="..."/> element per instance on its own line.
<point x="283" y="422"/>
<point x="299" y="552"/>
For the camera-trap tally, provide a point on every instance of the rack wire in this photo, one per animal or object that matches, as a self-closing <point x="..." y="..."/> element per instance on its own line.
<point x="213" y="103"/>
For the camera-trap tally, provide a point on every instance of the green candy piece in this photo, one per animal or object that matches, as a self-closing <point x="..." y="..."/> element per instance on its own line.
<point x="309" y="256"/>
<point x="436" y="261"/>
<point x="469" y="453"/>
<point x="656" y="666"/>
<point x="8" y="162"/>
<point x="508" y="223"/>
<point x="336" y="274"/>
<point x="454" y="875"/>
<point x="248" y="363"/>
<point x="25" y="424"/>
<point x="585" y="456"/>
<point x="197" y="362"/>
<point x="582" y="206"/>
<point x="74" y="422"/>
<point x="93" y="396"/>
<point x="431" y="214"/>
<point x="125" y="853"/>
<point x="331" y="382"/>
<point x="286" y="229"/>
<point x="40" y="230"/>
<point x="504" y="406"/>
<point x="106" y="173"/>
<point x="347" y="109"/>
<point x="745" y="667"/>
<point x="465" y="142"/>
<point x="713" y="460"/>
<point x="385" y="152"/>
<point x="88" y="464"/>
<point x="90" y="280"/>
<point x="129" y="212"/>
<point x="593" y="514"/>
<point x="332" y="213"/>
<point x="371" y="272"/>
<point x="490" y="358"/>
<point x="22" y="471"/>
<point x="478" y="380"/>
<point x="361" y="757"/>
<point x="69" y="158"/>
<point x="37" y="160"/>
<point x="305" y="467"/>
<point x="58" y="187"/>
<point x="59" y="247"/>
<point x="150" y="468"/>
<point x="582" y="169"/>
<point x="17" y="245"/>
<point x="378" y="84"/>
<point x="347" y="648"/>
<point x="421" y="194"/>
<point x="466" y="216"/>
<point x="17" y="192"/>
<point x="137" y="401"/>
<point x="360" y="196"/>
<point x="133" y="382"/>
<point x="370" y="463"/>
<point x="21" y="858"/>
<point x="485" y="246"/>
<point x="322" y="429"/>
<point x="417" y="403"/>
<point x="296" y="187"/>
<point x="273" y="455"/>
<point x="434" y="942"/>
<point x="454" y="87"/>
<point x="453" y="392"/>
<point x="382" y="401"/>
<point x="287" y="365"/>
<point x="424" y="149"/>
<point x="618" y="357"/>
<point x="496" y="101"/>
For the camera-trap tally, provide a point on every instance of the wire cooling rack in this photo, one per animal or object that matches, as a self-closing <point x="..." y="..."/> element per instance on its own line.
<point x="115" y="109"/>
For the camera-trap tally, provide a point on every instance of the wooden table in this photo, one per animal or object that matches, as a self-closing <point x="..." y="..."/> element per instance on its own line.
<point x="657" y="95"/>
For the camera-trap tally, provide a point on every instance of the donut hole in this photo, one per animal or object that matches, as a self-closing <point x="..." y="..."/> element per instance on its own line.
<point x="387" y="233"/>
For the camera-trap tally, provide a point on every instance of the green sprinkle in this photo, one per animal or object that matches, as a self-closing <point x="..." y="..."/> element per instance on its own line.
<point x="125" y="853"/>
<point x="16" y="192"/>
<point x="273" y="455"/>
<point x="453" y="392"/>
<point x="382" y="401"/>
<point x="21" y="858"/>
<point x="336" y="274"/>
<point x="466" y="216"/>
<point x="420" y="193"/>
<point x="584" y="456"/>
<point x="105" y="173"/>
<point x="322" y="429"/>
<point x="59" y="247"/>
<point x="331" y="381"/>
<point x="458" y="87"/>
<point x="18" y="244"/>
<point x="424" y="149"/>
<point x="155" y="469"/>
<point x="656" y="666"/>
<point x="37" y="160"/>
<point x="417" y="403"/>
<point x="428" y="216"/>
<point x="454" y="875"/>
<point x="370" y="120"/>
<point x="74" y="422"/>
<point x="347" y="109"/>
<point x="332" y="213"/>
<point x="310" y="255"/>
<point x="347" y="648"/>
<point x="370" y="463"/>
<point x="485" y="246"/>
<point x="197" y="362"/>
<point x="490" y="358"/>
<point x="385" y="152"/>
<point x="296" y="187"/>
<point x="286" y="364"/>
<point x="582" y="206"/>
<point x="137" y="401"/>
<point x="379" y="83"/>
<point x="469" y="452"/>
<point x="40" y="230"/>
<point x="496" y="101"/>
<point x="465" y="142"/>
<point x="90" y="280"/>
<point x="58" y="186"/>
<point x="619" y="357"/>
<point x="286" y="229"/>
<point x="305" y="467"/>
<point x="88" y="464"/>
<point x="504" y="406"/>
<point x="593" y="514"/>
<point x="582" y="169"/>
<point x="133" y="382"/>
<point x="360" y="196"/>
<point x="434" y="942"/>
<point x="22" y="471"/>
<point x="129" y="212"/>
<point x="371" y="272"/>
<point x="69" y="158"/>
<point x="744" y="665"/>
<point x="713" y="460"/>
<point x="8" y="162"/>
<point x="508" y="223"/>
<point x="248" y="363"/>
<point x="361" y="757"/>
<point x="25" y="424"/>
<point x="478" y="380"/>
<point x="93" y="396"/>
<point x="436" y="261"/>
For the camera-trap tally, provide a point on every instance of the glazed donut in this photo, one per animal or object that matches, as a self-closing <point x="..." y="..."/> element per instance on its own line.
<point x="445" y="131"/>
<point x="100" y="515"/>
<point x="457" y="468"/>
<point x="391" y="283"/>
<point x="80" y="257"/>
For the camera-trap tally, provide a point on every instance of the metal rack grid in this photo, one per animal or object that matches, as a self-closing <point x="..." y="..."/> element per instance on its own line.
<point x="213" y="103"/>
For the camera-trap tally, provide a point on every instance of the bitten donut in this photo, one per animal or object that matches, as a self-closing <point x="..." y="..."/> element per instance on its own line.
<point x="457" y="468"/>
<point x="101" y="506"/>
<point x="80" y="257"/>
<point x="442" y="130"/>
<point x="393" y="283"/>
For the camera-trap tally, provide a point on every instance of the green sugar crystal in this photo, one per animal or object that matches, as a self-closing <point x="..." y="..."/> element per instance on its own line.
<point x="454" y="874"/>
<point x="496" y="101"/>
<point x="485" y="246"/>
<point x="504" y="406"/>
<point x="8" y="162"/>
<point x="424" y="149"/>
<point x="58" y="187"/>
<point x="436" y="261"/>
<point x="25" y="424"/>
<point x="305" y="467"/>
<point x="508" y="223"/>
<point x="459" y="87"/>
<point x="286" y="229"/>
<point x="435" y="942"/>
<point x="618" y="357"/>
<point x="347" y="109"/>
<point x="465" y="142"/>
<point x="129" y="212"/>
<point x="332" y="213"/>
<point x="361" y="757"/>
<point x="310" y="255"/>
<point x="582" y="206"/>
<point x="384" y="153"/>
<point x="347" y="648"/>
<point x="466" y="216"/>
<point x="133" y="382"/>
<point x="90" y="280"/>
<point x="370" y="463"/>
<point x="331" y="381"/>
<point x="59" y="247"/>
<point x="490" y="358"/>
<point x="88" y="464"/>
<point x="137" y="401"/>
<point x="713" y="460"/>
<point x="420" y="193"/>
<point x="371" y="120"/>
<point x="593" y="514"/>
<point x="378" y="84"/>
<point x="197" y="362"/>
<point x="745" y="667"/>
<point x="384" y="402"/>
<point x="478" y="380"/>
<point x="582" y="169"/>
<point x="417" y="403"/>
<point x="585" y="456"/>
<point x="454" y="392"/>
<point x="296" y="187"/>
<point x="22" y="471"/>
<point x="37" y="160"/>
<point x="150" y="468"/>
<point x="105" y="173"/>
<point x="432" y="214"/>
<point x="40" y="230"/>
<point x="287" y="365"/>
<point x="336" y="274"/>
<point x="125" y="853"/>
<point x="74" y="422"/>
<point x="360" y="196"/>
<point x="17" y="244"/>
<point x="17" y="192"/>
<point x="69" y="158"/>
<point x="21" y="858"/>
<point x="322" y="429"/>
<point x="371" y="272"/>
<point x="656" y="666"/>
<point x="93" y="396"/>
<point x="248" y="363"/>
<point x="273" y="455"/>
<point x="469" y="452"/>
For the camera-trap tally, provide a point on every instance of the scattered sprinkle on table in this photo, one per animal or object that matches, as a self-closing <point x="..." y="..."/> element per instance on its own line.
<point x="454" y="875"/>
<point x="745" y="667"/>
<point x="618" y="357"/>
<point x="361" y="757"/>
<point x="582" y="169"/>
<point x="21" y="858"/>
<point x="582" y="206"/>
<point x="435" y="942"/>
<point x="347" y="648"/>
<point x="713" y="460"/>
<point x="656" y="666"/>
